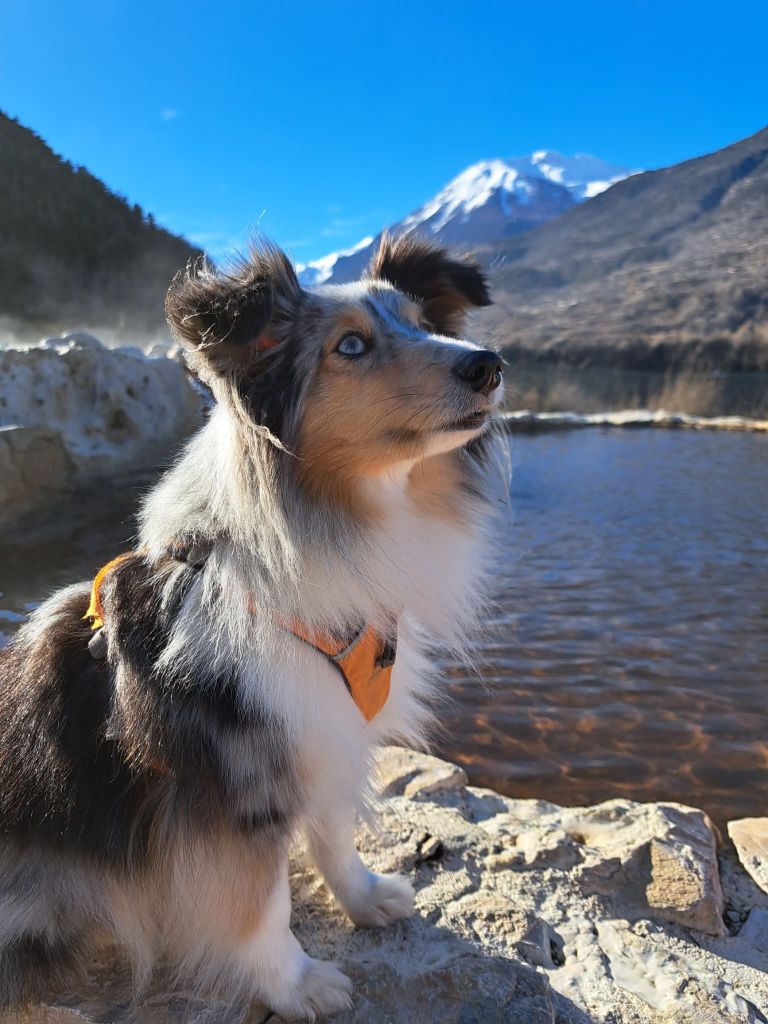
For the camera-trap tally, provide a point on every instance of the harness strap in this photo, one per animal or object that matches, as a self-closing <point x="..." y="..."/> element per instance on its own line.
<point x="95" y="610"/>
<point x="365" y="662"/>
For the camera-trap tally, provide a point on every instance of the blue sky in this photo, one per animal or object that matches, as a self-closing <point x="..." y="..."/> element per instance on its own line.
<point x="319" y="123"/>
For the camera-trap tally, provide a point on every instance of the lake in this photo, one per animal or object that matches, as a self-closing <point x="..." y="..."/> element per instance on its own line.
<point x="628" y="653"/>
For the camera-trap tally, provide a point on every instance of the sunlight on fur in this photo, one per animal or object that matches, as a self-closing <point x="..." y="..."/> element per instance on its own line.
<point x="348" y="479"/>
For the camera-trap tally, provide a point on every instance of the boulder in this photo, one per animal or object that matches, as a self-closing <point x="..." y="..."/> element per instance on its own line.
<point x="525" y="912"/>
<point x="35" y="467"/>
<point x="750" y="837"/>
<point x="73" y="412"/>
<point x="660" y="859"/>
<point x="412" y="774"/>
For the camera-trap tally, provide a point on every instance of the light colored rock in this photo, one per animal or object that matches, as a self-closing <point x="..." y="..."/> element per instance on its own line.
<point x="701" y="1015"/>
<point x="750" y="837"/>
<point x="525" y="912"/>
<point x="73" y="411"/>
<point x="35" y="466"/>
<point x="408" y="773"/>
<point x="549" y="846"/>
<point x="660" y="858"/>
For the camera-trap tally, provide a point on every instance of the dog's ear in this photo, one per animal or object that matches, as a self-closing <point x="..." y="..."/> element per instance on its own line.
<point x="226" y="319"/>
<point x="446" y="285"/>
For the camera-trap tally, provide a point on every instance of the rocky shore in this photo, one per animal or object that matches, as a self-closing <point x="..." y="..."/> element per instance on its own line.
<point x="526" y="913"/>
<point x="74" y="412"/>
<point x="525" y="421"/>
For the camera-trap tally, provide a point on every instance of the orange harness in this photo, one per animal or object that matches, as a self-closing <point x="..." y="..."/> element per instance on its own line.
<point x="365" y="662"/>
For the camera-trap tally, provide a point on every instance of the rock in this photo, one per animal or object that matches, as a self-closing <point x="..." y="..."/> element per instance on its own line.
<point x="701" y="1015"/>
<point x="414" y="774"/>
<point x="548" y="847"/>
<point x="755" y="929"/>
<point x="430" y="848"/>
<point x="526" y="913"/>
<point x="35" y="466"/>
<point x="73" y="411"/>
<point x="660" y="858"/>
<point x="742" y="894"/>
<point x="750" y="837"/>
<point x="541" y="945"/>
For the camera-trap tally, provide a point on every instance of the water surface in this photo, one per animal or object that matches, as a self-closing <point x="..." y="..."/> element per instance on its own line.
<point x="629" y="650"/>
<point x="630" y="654"/>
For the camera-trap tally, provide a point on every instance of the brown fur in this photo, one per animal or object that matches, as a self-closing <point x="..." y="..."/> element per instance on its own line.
<point x="360" y="421"/>
<point x="447" y="286"/>
<point x="152" y="790"/>
<point x="436" y="487"/>
<point x="231" y="882"/>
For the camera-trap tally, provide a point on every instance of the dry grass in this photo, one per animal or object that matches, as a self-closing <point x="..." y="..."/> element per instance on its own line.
<point x="561" y="388"/>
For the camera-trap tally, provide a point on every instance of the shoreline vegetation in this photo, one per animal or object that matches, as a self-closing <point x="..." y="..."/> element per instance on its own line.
<point x="560" y="386"/>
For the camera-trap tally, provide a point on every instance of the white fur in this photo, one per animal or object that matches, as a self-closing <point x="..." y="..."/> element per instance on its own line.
<point x="273" y="560"/>
<point x="292" y="983"/>
<point x="423" y="572"/>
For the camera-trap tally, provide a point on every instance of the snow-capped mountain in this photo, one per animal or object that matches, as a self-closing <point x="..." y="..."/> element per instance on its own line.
<point x="319" y="271"/>
<point x="583" y="175"/>
<point x="489" y="200"/>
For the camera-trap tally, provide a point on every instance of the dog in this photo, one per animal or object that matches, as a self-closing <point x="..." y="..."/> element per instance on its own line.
<point x="168" y="728"/>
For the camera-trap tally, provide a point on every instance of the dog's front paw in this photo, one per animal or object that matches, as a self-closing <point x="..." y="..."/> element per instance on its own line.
<point x="322" y="991"/>
<point x="389" y="898"/>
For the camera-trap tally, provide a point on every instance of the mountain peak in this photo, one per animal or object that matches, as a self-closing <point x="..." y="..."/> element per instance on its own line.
<point x="488" y="200"/>
<point x="583" y="175"/>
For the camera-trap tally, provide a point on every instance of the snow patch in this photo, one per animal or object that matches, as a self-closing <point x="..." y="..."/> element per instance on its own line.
<point x="317" y="272"/>
<point x="73" y="411"/>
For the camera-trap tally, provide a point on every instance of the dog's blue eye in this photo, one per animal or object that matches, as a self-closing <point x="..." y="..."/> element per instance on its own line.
<point x="352" y="347"/>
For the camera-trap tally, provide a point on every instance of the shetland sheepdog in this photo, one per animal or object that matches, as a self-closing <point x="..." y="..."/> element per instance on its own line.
<point x="167" y="728"/>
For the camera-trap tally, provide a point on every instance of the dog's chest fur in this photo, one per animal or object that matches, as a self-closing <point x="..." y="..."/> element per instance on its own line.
<point x="420" y="571"/>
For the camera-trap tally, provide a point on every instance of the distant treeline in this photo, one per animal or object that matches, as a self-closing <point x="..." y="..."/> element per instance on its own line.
<point x="72" y="253"/>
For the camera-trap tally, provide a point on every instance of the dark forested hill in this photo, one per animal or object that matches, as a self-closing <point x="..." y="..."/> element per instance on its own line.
<point x="666" y="268"/>
<point x="73" y="254"/>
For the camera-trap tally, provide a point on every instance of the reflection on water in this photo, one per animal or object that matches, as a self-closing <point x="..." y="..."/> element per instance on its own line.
<point x="630" y="654"/>
<point x="629" y="651"/>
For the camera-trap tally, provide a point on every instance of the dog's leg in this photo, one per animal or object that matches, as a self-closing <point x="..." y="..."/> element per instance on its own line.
<point x="294" y="985"/>
<point x="32" y="965"/>
<point x="369" y="899"/>
<point x="46" y="910"/>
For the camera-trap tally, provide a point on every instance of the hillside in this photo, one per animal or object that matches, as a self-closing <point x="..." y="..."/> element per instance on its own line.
<point x="489" y="200"/>
<point x="71" y="252"/>
<point x="665" y="269"/>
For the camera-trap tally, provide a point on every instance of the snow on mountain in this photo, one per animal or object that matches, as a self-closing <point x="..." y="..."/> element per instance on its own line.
<point x="319" y="271"/>
<point x="583" y="175"/>
<point x="471" y="189"/>
<point x="489" y="200"/>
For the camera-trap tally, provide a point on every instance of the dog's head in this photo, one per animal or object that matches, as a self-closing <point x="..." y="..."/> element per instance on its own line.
<point x="354" y="379"/>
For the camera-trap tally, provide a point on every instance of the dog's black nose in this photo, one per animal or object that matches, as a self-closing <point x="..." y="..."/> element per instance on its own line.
<point x="481" y="370"/>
